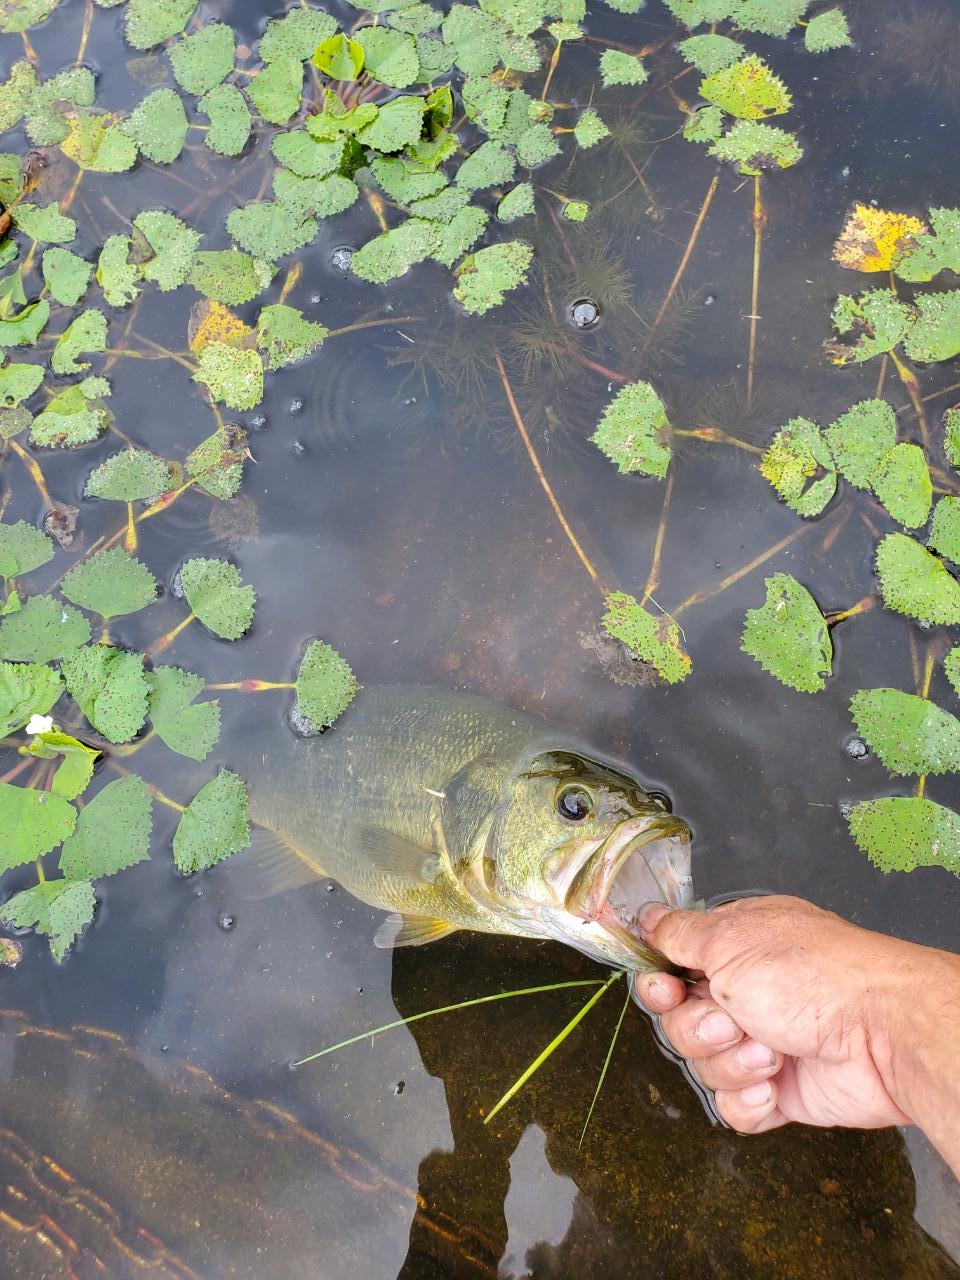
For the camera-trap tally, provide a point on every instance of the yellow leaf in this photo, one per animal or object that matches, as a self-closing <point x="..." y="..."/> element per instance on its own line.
<point x="873" y="238"/>
<point x="213" y="322"/>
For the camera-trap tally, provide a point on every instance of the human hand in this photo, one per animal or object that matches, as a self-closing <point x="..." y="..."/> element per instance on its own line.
<point x="793" y="1013"/>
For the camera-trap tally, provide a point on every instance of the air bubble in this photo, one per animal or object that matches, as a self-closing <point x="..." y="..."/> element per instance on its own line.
<point x="857" y="749"/>
<point x="399" y="1087"/>
<point x="301" y="726"/>
<point x="341" y="258"/>
<point x="295" y="406"/>
<point x="226" y="920"/>
<point x="259" y="422"/>
<point x="584" y="313"/>
<point x="710" y="299"/>
<point x="298" y="448"/>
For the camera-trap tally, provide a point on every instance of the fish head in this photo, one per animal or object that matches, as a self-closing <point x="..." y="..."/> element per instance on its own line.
<point x="575" y="849"/>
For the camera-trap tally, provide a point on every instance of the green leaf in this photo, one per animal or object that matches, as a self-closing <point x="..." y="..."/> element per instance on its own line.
<point x="214" y="824"/>
<point x="189" y="729"/>
<point x="314" y="197"/>
<point x="634" y="431"/>
<point x="24" y="329"/>
<point x="878" y="318"/>
<point x="269" y="230"/>
<point x="277" y="90"/>
<point x="710" y="53"/>
<point x="860" y="438"/>
<point x="16" y="93"/>
<point x="18" y="382"/>
<point x="150" y="22"/>
<point x="215" y="593"/>
<point x="748" y="90"/>
<point x="951" y="436"/>
<point x="66" y="275"/>
<point x="389" y="255"/>
<point x="116" y="274"/>
<point x="88" y="333"/>
<point x="217" y="462"/>
<point x="799" y="465"/>
<point x="902" y="483"/>
<point x="704" y="125"/>
<point x="296" y="35"/>
<point x="754" y="147"/>
<point x="417" y="20"/>
<point x="621" y="68"/>
<point x="576" y="210"/>
<point x="232" y="376"/>
<point x="535" y="146"/>
<point x="488" y="166"/>
<point x="436" y="58"/>
<point x="443" y="207"/>
<point x="945" y="530"/>
<point x="325" y="685"/>
<point x="935" y="333"/>
<point x="229" y="276"/>
<point x="110" y="687"/>
<point x="75" y="769"/>
<point x="909" y="734"/>
<point x="31" y="823"/>
<point x="938" y="250"/>
<point x="76" y="415"/>
<point x="159" y="124"/>
<point x="899" y="833"/>
<point x="485" y="102"/>
<point x="59" y="909"/>
<point x="336" y="120"/>
<point x="404" y="181"/>
<point x="788" y="636"/>
<point x="99" y="143"/>
<point x="389" y="56"/>
<point x="655" y="640"/>
<point x="203" y="59"/>
<point x="768" y="17"/>
<point x="129" y="476"/>
<point x="44" y="222"/>
<point x="23" y="548"/>
<point x="13" y="421"/>
<point x="18" y="15"/>
<point x="485" y="276"/>
<point x="110" y="583"/>
<point x="339" y="57"/>
<point x="460" y="234"/>
<point x="475" y="38"/>
<point x="914" y="582"/>
<point x="306" y="157"/>
<point x="285" y="336"/>
<point x="44" y="629"/>
<point x="951" y="665"/>
<point x="398" y="125"/>
<point x="826" y="31"/>
<point x="26" y="689"/>
<point x="46" y="121"/>
<point x="112" y="831"/>
<point x="229" y="119"/>
<point x="590" y="129"/>
<point x="173" y="243"/>
<point x="517" y="203"/>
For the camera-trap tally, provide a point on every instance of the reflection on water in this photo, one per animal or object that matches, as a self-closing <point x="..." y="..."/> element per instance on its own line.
<point x="392" y="510"/>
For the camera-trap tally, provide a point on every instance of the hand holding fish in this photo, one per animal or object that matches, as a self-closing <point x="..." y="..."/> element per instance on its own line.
<point x="797" y="1015"/>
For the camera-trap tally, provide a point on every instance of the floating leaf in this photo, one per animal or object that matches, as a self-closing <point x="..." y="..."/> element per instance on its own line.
<point x="517" y="203"/>
<point x="150" y="22"/>
<point x="900" y="833"/>
<point x="485" y="276"/>
<point x="404" y="181"/>
<point x="914" y="582"/>
<point x="945" y="529"/>
<point x="173" y="243"/>
<point x="277" y="90"/>
<point x="215" y="593"/>
<point x="23" y="548"/>
<point x="75" y="769"/>
<point x="214" y="824"/>
<point x="710" y="53"/>
<point x="755" y="147"/>
<point x="951" y="665"/>
<point x="872" y="239"/>
<point x="398" y="125"/>
<point x="860" y="438"/>
<point x="110" y="687"/>
<point x="590" y="129"/>
<point x="88" y="333"/>
<point x="475" y="38"/>
<point x="935" y="334"/>
<point x="100" y="143"/>
<point x="325" y="685"/>
<point x="203" y="59"/>
<point x="233" y="377"/>
<point x="285" y="336"/>
<point x="314" y="197"/>
<point x="767" y="17"/>
<point x="129" y="476"/>
<point x="902" y="483"/>
<point x="66" y="275"/>
<point x="18" y="15"/>
<point x="307" y="157"/>
<point x="655" y="640"/>
<point x="31" y="823"/>
<point x="213" y="322"/>
<point x="43" y="630"/>
<point x="110" y="583"/>
<point x="337" y="120"/>
<point x="788" y="636"/>
<point x="909" y="734"/>
<point x="485" y="102"/>
<point x="417" y="20"/>
<point x="75" y="416"/>
<point x="748" y="90"/>
<point x="25" y="327"/>
<point x="621" y="68"/>
<point x="951" y="436"/>
<point x="826" y="31"/>
<point x="112" y="831"/>
<point x="229" y="119"/>
<point x="13" y="421"/>
<point x="339" y="57"/>
<point x="296" y="35"/>
<point x="159" y="125"/>
<point x="46" y="108"/>
<point x="797" y="455"/>
<point x="391" y="254"/>
<point x="44" y="222"/>
<point x="26" y="689"/>
<point x="460" y="234"/>
<point x="489" y="166"/>
<point x="937" y="251"/>
<point x="229" y="276"/>
<point x="389" y="56"/>
<point x="191" y="729"/>
<point x="576" y="210"/>
<point x="116" y="274"/>
<point x="634" y="431"/>
<point x="269" y="230"/>
<point x="442" y="207"/>
<point x="217" y="462"/>
<point x="878" y="318"/>
<point x="18" y="382"/>
<point x="535" y="146"/>
<point x="59" y="909"/>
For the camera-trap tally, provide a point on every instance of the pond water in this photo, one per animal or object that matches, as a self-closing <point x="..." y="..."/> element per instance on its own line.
<point x="150" y="1124"/>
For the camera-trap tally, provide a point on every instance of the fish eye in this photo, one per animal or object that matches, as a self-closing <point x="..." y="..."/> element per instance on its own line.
<point x="574" y="803"/>
<point x="661" y="798"/>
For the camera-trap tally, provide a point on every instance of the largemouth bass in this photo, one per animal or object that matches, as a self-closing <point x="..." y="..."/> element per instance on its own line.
<point x="453" y="813"/>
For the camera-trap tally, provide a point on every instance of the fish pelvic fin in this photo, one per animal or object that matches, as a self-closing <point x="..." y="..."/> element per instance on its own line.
<point x="396" y="856"/>
<point x="410" y="931"/>
<point x="273" y="865"/>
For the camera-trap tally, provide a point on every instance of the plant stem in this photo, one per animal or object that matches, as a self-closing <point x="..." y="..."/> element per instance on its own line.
<point x="862" y="606"/>
<point x="653" y="580"/>
<point x="33" y="467"/>
<point x="912" y="388"/>
<point x="707" y="593"/>
<point x="606" y="1064"/>
<point x="85" y="33"/>
<point x="554" y="59"/>
<point x="168" y="638"/>
<point x="691" y="245"/>
<point x="252" y="686"/>
<point x="715" y="436"/>
<point x="759" y="222"/>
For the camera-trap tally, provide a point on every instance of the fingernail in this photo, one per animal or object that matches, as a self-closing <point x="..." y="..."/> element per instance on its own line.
<point x="755" y="1056"/>
<point x="654" y="988"/>
<point x="717" y="1027"/>
<point x="650" y="915"/>
<point x="756" y="1095"/>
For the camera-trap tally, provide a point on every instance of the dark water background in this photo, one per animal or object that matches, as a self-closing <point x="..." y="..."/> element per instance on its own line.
<point x="392" y="511"/>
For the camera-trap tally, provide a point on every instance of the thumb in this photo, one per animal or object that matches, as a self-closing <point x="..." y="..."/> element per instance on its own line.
<point x="682" y="936"/>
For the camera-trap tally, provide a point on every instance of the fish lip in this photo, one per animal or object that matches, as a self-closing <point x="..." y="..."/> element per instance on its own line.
<point x="590" y="888"/>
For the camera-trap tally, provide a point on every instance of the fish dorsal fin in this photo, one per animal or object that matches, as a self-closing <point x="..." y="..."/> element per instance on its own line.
<point x="410" y="931"/>
<point x="396" y="856"/>
<point x="273" y="864"/>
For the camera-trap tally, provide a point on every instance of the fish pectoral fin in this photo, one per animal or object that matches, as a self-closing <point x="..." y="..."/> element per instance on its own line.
<point x="396" y="856"/>
<point x="410" y="931"/>
<point x="273" y="865"/>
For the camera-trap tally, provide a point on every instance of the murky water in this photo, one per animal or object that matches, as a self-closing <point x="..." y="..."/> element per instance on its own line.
<point x="150" y="1123"/>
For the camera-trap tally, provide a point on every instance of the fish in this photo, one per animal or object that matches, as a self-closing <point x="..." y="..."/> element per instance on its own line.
<point x="453" y="813"/>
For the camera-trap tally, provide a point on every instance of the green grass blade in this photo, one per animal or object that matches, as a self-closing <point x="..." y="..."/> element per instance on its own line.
<point x="606" y="1064"/>
<point x="449" y="1008"/>
<point x="555" y="1043"/>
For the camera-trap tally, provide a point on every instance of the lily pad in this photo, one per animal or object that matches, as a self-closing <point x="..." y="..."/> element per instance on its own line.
<point x="112" y="831"/>
<point x="325" y="685"/>
<point x="269" y="230"/>
<point x="485" y="276"/>
<point x="860" y="438"/>
<point x="902" y="483"/>
<point x="535" y="146"/>
<point x="217" y="462"/>
<point x="296" y="35"/>
<point x="99" y="143"/>
<point x="907" y="733"/>
<point x="87" y="334"/>
<point x="878" y="319"/>
<point x="389" y="255"/>
<point x="26" y="689"/>
<point x="826" y="31"/>
<point x="397" y="125"/>
<point x="66" y="275"/>
<point x="788" y="636"/>
<point x="938" y="250"/>
<point x="190" y="728"/>
<point x="129" y="476"/>
<point x="44" y="222"/>
<point x="74" y="416"/>
<point x="203" y="59"/>
<point x="390" y="56"/>
<point x="935" y="333"/>
<point x="655" y="640"/>
<point x="215" y="593"/>
<point x="229" y="276"/>
<point x="110" y="687"/>
<point x="590" y="129"/>
<point x="951" y="436"/>
<point x="233" y="377"/>
<point x="117" y="276"/>
<point x="900" y="833"/>
<point x="150" y="22"/>
<point x="43" y="630"/>
<point x="460" y="234"/>
<point x="945" y="529"/>
<point x="710" y="53"/>
<point x="339" y="57"/>
<point x="914" y="582"/>
<point x="159" y="125"/>
<point x="518" y="203"/>
<point x="618" y="68"/>
<point x="748" y="90"/>
<point x="59" y="909"/>
<point x="634" y="431"/>
<point x="173" y="244"/>
<point x="111" y="583"/>
<point x="229" y="119"/>
<point x="755" y="147"/>
<point x="214" y="824"/>
<point x="489" y="166"/>
<point x="799" y="465"/>
<point x="23" y="548"/>
<point x="285" y="336"/>
<point x="277" y="90"/>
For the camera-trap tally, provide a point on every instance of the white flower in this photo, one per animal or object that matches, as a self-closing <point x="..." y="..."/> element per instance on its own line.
<point x="40" y="724"/>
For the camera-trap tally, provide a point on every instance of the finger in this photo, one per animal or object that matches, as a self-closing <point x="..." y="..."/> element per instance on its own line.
<point x="681" y="935"/>
<point x="746" y="1063"/>
<point x="700" y="1029"/>
<point x="660" y="992"/>
<point x="754" y="1109"/>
